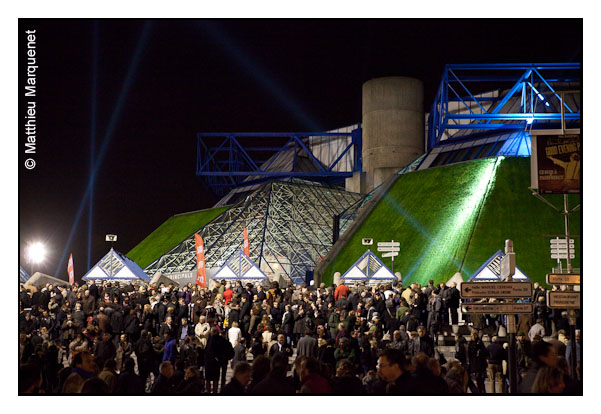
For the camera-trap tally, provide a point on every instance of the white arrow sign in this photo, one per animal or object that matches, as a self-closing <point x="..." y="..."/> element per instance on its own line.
<point x="561" y="241"/>
<point x="391" y="254"/>
<point x="389" y="244"/>
<point x="389" y="249"/>
<point x="560" y="251"/>
<point x="562" y="256"/>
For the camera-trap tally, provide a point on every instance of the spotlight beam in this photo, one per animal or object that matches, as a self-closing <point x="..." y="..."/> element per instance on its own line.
<point x="92" y="138"/>
<point x="260" y="75"/>
<point x="108" y="135"/>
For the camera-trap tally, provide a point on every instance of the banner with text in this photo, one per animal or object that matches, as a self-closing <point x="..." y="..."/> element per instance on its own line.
<point x="201" y="271"/>
<point x="246" y="246"/>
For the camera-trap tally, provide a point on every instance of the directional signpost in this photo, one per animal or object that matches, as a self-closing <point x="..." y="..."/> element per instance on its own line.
<point x="391" y="250"/>
<point x="499" y="290"/>
<point x="563" y="300"/>
<point x="494" y="308"/>
<point x="563" y="279"/>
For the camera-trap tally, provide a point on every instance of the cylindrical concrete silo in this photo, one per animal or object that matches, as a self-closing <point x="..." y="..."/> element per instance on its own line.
<point x="393" y="126"/>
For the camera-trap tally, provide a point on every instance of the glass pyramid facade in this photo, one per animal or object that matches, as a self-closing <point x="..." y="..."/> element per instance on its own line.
<point x="290" y="229"/>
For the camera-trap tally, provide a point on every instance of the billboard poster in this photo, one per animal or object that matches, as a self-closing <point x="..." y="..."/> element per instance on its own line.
<point x="556" y="163"/>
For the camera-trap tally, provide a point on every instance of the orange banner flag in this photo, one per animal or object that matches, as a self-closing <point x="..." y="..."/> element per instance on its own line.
<point x="246" y="246"/>
<point x="201" y="271"/>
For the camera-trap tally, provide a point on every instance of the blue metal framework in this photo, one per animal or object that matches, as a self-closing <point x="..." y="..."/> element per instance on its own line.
<point x="530" y="94"/>
<point x="228" y="163"/>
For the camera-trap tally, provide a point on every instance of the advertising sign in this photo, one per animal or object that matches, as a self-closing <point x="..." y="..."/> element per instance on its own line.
<point x="556" y="163"/>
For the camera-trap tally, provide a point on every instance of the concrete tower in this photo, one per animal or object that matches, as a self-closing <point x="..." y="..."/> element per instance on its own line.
<point x="393" y="126"/>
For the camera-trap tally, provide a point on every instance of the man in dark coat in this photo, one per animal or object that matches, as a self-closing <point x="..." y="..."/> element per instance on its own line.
<point x="241" y="378"/>
<point x="163" y="384"/>
<point x="307" y="345"/>
<point x="276" y="382"/>
<point x="281" y="347"/>
<point x="105" y="349"/>
<point x="422" y="343"/>
<point x="434" y="314"/>
<point x="453" y="302"/>
<point x="128" y="383"/>
<point x="477" y="361"/>
<point x="393" y="369"/>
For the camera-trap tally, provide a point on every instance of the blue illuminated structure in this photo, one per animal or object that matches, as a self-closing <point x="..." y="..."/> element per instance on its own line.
<point x="527" y="96"/>
<point x="236" y="159"/>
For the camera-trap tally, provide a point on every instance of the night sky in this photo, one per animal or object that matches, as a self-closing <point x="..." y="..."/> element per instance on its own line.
<point x="206" y="76"/>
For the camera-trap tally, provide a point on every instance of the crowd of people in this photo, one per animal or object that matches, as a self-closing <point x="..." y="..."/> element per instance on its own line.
<point x="111" y="338"/>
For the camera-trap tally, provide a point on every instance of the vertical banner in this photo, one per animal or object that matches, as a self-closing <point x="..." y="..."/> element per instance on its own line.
<point x="246" y="246"/>
<point x="201" y="271"/>
<point x="556" y="164"/>
<point x="70" y="269"/>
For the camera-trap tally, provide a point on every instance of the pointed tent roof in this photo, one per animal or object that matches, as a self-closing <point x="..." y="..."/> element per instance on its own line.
<point x="116" y="266"/>
<point x="240" y="267"/>
<point x="369" y="268"/>
<point x="491" y="270"/>
<point x="23" y="275"/>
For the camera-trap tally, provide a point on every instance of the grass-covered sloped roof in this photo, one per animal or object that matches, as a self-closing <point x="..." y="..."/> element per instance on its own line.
<point x="169" y="234"/>
<point x="453" y="218"/>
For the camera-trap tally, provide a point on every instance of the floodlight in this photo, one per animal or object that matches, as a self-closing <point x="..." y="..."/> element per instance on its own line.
<point x="36" y="252"/>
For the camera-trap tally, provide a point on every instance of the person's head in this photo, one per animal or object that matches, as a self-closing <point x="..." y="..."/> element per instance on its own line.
<point x="168" y="320"/>
<point x="421" y="331"/>
<point x="128" y="364"/>
<point x="260" y="367"/>
<point x="544" y="353"/>
<point x="549" y="380"/>
<point x="281" y="339"/>
<point x="434" y="367"/>
<point x="345" y="368"/>
<point x="279" y="364"/>
<point x="309" y="366"/>
<point x="30" y="378"/>
<point x="166" y="369"/>
<point x="86" y="293"/>
<point x="106" y="336"/>
<point x="94" y="386"/>
<point x="391" y="364"/>
<point x="191" y="372"/>
<point x="110" y="364"/>
<point x="85" y="362"/>
<point x="474" y="335"/>
<point x="202" y="319"/>
<point x="243" y="373"/>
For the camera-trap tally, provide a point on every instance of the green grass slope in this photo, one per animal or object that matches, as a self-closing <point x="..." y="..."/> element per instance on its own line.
<point x="170" y="234"/>
<point x="453" y="218"/>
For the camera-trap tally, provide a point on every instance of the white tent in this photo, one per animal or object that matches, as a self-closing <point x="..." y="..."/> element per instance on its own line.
<point x="40" y="280"/>
<point x="369" y="268"/>
<point x="491" y="270"/>
<point x="116" y="266"/>
<point x="240" y="267"/>
<point x="159" y="278"/>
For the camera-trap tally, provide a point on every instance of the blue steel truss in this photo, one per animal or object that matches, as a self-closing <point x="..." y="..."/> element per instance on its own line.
<point x="530" y="94"/>
<point x="224" y="160"/>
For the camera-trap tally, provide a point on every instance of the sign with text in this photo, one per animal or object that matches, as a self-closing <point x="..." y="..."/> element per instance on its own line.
<point x="555" y="164"/>
<point x="502" y="290"/>
<point x="563" y="300"/>
<point x="497" y="308"/>
<point x="563" y="279"/>
<point x="390" y="254"/>
<point x="389" y="249"/>
<point x="389" y="244"/>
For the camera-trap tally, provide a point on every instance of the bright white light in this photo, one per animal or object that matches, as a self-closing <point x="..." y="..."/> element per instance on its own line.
<point x="275" y="266"/>
<point x="547" y="104"/>
<point x="36" y="252"/>
<point x="542" y="98"/>
<point x="529" y="121"/>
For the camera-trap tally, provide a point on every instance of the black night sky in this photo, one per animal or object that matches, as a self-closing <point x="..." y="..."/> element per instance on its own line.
<point x="206" y="76"/>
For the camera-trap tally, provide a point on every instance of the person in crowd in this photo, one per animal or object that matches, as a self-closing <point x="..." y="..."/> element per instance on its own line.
<point x="169" y="340"/>
<point x="241" y="378"/>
